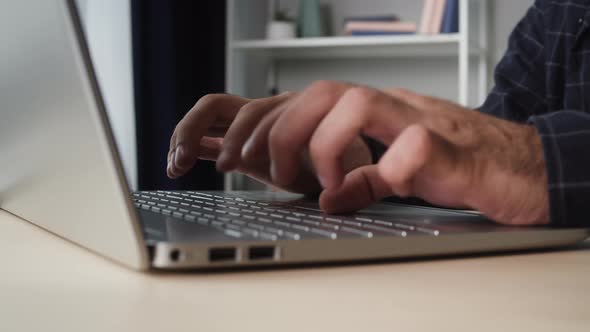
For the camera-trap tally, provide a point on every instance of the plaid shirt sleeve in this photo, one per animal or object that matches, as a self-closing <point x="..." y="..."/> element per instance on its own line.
<point x="538" y="83"/>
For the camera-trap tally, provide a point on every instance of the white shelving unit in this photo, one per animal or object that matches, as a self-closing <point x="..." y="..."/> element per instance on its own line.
<point x="252" y="60"/>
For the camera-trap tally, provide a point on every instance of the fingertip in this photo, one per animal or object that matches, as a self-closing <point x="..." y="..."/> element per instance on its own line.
<point x="225" y="163"/>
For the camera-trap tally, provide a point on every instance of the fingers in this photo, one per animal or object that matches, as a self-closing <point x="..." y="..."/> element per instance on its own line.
<point x="359" y="111"/>
<point x="360" y="188"/>
<point x="210" y="148"/>
<point x="256" y="146"/>
<point x="421" y="163"/>
<point x="291" y="132"/>
<point x="248" y="117"/>
<point x="406" y="157"/>
<point x="210" y="111"/>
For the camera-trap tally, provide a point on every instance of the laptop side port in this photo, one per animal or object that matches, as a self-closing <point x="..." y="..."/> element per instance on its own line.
<point x="260" y="253"/>
<point x="227" y="254"/>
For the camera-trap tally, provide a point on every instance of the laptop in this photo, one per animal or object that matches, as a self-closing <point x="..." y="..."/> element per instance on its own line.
<point x="61" y="171"/>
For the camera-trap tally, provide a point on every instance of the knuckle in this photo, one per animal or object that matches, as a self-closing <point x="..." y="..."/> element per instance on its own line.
<point x="322" y="85"/>
<point x="362" y="95"/>
<point x="328" y="90"/>
<point x="209" y="100"/>
<point x="251" y="107"/>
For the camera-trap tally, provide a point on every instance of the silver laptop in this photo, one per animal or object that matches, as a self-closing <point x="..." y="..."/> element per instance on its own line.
<point x="60" y="170"/>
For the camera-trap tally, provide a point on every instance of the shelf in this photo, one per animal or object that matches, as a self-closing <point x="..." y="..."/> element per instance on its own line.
<point x="372" y="46"/>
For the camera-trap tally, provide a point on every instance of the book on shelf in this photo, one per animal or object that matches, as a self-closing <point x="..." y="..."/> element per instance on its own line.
<point x="451" y="17"/>
<point x="369" y="28"/>
<point x="377" y="25"/>
<point x="379" y="33"/>
<point x="426" y="16"/>
<point x="372" y="18"/>
<point x="440" y="16"/>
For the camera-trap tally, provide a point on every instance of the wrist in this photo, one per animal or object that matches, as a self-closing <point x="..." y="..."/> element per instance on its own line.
<point x="514" y="177"/>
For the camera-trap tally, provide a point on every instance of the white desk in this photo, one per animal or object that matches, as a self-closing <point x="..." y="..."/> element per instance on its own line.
<point x="47" y="284"/>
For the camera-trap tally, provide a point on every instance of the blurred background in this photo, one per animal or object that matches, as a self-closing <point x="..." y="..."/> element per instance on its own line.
<point x="155" y="58"/>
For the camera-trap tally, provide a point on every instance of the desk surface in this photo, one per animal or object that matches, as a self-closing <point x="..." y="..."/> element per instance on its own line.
<point x="47" y="284"/>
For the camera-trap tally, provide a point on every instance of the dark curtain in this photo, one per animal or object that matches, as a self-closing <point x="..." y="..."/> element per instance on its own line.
<point x="179" y="56"/>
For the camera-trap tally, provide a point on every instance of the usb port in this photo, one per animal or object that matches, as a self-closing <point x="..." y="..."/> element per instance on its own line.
<point x="258" y="253"/>
<point x="222" y="254"/>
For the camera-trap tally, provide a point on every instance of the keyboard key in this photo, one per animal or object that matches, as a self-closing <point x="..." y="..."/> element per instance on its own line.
<point x="310" y="222"/>
<point x="189" y="217"/>
<point x="273" y="230"/>
<point x="281" y="223"/>
<point x="267" y="236"/>
<point x="217" y="223"/>
<point x="250" y="231"/>
<point x="292" y="236"/>
<point x="330" y="226"/>
<point x="177" y="214"/>
<point x="432" y="232"/>
<point x="383" y="223"/>
<point x="385" y="230"/>
<point x="300" y="227"/>
<point x="232" y="226"/>
<point x="325" y="233"/>
<point x="352" y="223"/>
<point x="357" y="231"/>
<point x="203" y="221"/>
<point x="256" y="226"/>
<point x="238" y="222"/>
<point x="233" y="233"/>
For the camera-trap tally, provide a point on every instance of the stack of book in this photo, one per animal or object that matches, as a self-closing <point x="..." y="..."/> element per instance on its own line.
<point x="377" y="25"/>
<point x="440" y="16"/>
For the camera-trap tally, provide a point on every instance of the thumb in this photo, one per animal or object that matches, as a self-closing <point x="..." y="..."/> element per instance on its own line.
<point x="361" y="187"/>
<point x="421" y="163"/>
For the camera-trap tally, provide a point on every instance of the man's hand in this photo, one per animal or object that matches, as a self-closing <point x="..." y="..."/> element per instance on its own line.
<point x="438" y="151"/>
<point x="219" y="128"/>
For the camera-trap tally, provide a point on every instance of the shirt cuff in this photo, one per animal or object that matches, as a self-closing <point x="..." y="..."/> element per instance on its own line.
<point x="565" y="136"/>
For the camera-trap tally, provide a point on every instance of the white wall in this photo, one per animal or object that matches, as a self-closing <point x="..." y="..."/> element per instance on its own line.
<point x="108" y="28"/>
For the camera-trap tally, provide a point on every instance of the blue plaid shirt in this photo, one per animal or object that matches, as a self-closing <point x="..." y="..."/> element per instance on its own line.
<point x="544" y="80"/>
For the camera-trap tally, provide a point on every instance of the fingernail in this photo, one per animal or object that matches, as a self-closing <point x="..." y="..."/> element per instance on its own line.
<point x="169" y="170"/>
<point x="222" y="163"/>
<point x="273" y="172"/>
<point x="178" y="156"/>
<point x="246" y="149"/>
<point x="323" y="182"/>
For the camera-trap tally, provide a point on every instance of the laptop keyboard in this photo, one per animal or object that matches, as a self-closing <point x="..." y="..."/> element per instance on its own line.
<point x="239" y="217"/>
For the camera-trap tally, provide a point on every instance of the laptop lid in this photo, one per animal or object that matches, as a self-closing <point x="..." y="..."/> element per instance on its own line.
<point x="59" y="167"/>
